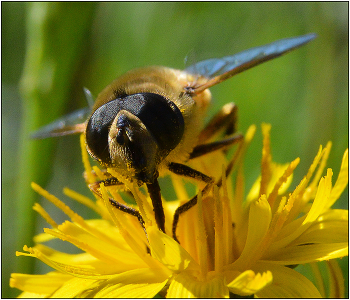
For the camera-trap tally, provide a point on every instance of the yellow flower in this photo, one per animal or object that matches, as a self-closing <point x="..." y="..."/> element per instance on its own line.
<point x="228" y="245"/>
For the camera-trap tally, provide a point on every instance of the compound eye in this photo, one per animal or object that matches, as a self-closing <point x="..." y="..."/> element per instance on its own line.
<point x="161" y="117"/>
<point x="97" y="131"/>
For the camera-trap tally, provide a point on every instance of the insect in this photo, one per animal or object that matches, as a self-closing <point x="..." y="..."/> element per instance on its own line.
<point x="151" y="119"/>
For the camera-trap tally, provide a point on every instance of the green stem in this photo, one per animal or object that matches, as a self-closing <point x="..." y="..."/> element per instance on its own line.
<point x="56" y="33"/>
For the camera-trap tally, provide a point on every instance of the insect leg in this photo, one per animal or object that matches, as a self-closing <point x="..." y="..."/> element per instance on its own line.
<point x="224" y="119"/>
<point x="210" y="147"/>
<point x="184" y="170"/>
<point x="189" y="172"/>
<point x="95" y="188"/>
<point x="154" y="193"/>
<point x="131" y="211"/>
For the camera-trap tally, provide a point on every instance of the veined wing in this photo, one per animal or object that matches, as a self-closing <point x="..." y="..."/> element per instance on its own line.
<point x="69" y="124"/>
<point x="220" y="69"/>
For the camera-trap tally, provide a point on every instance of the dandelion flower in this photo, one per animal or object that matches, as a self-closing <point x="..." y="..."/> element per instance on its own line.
<point x="227" y="245"/>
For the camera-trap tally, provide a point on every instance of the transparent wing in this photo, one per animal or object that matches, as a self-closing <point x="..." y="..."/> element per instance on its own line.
<point x="69" y="124"/>
<point x="89" y="97"/>
<point x="220" y="69"/>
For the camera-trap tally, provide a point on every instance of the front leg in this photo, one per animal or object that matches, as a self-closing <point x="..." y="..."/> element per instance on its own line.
<point x="184" y="170"/>
<point x="154" y="193"/>
<point x="153" y="190"/>
<point x="112" y="181"/>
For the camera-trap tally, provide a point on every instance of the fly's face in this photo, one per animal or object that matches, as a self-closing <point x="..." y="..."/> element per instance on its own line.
<point x="133" y="133"/>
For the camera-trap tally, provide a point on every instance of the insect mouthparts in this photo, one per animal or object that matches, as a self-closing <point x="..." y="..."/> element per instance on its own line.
<point x="121" y="125"/>
<point x="120" y="136"/>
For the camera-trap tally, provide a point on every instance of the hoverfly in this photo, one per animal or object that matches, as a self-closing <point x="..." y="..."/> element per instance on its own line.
<point x="150" y="119"/>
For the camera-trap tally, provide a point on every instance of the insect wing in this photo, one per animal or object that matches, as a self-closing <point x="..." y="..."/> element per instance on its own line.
<point x="89" y="97"/>
<point x="69" y="124"/>
<point x="220" y="69"/>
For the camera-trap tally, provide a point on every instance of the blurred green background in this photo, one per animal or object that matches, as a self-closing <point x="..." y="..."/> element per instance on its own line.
<point x="304" y="95"/>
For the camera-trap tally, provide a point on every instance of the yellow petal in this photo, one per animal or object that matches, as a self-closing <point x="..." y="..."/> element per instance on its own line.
<point x="249" y="283"/>
<point x="201" y="237"/>
<point x="43" y="237"/>
<point x="40" y="284"/>
<point x="83" y="260"/>
<point x="309" y="253"/>
<point x="75" y="270"/>
<point x="58" y="203"/>
<point x="254" y="190"/>
<point x="331" y="228"/>
<point x="82" y="199"/>
<point x="294" y="229"/>
<point x="336" y="280"/>
<point x="266" y="160"/>
<point x="320" y="284"/>
<point x="111" y="233"/>
<point x="86" y="160"/>
<point x="96" y="247"/>
<point x="258" y="225"/>
<point x="299" y="196"/>
<point x="75" y="287"/>
<point x="321" y="198"/>
<point x="28" y="295"/>
<point x="167" y="251"/>
<point x="281" y="181"/>
<point x="322" y="164"/>
<point x="287" y="283"/>
<point x="184" y="285"/>
<point x="342" y="181"/>
<point x="334" y="215"/>
<point x="137" y="245"/>
<point x="139" y="283"/>
<point x="38" y="208"/>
